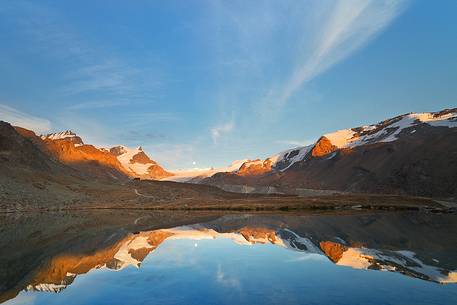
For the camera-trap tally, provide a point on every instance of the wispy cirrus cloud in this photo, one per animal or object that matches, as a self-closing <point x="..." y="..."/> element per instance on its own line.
<point x="346" y="27"/>
<point x="295" y="142"/>
<point x="19" y="118"/>
<point x="264" y="61"/>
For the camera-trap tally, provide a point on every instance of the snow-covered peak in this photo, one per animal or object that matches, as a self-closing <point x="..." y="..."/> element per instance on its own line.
<point x="389" y="130"/>
<point x="63" y="135"/>
<point x="126" y="155"/>
<point x="138" y="163"/>
<point x="59" y="135"/>
<point x="287" y="158"/>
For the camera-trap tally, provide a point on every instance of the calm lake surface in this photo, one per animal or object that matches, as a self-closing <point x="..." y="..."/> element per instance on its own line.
<point x="180" y="258"/>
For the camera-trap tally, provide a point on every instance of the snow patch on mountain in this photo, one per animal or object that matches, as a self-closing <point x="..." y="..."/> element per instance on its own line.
<point x="124" y="254"/>
<point x="287" y="158"/>
<point x="388" y="131"/>
<point x="59" y="135"/>
<point x="364" y="258"/>
<point x="201" y="173"/>
<point x="67" y="135"/>
<point x="125" y="156"/>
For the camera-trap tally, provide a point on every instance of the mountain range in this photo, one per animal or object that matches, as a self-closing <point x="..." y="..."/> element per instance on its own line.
<point x="411" y="154"/>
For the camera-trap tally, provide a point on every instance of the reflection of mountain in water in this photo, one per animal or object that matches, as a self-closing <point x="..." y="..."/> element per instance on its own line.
<point x="132" y="250"/>
<point x="394" y="242"/>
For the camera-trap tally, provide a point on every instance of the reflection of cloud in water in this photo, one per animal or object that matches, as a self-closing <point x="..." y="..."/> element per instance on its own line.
<point x="226" y="280"/>
<point x="307" y="257"/>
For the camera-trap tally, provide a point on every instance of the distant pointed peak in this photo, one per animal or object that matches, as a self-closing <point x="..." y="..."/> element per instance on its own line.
<point x="67" y="135"/>
<point x="59" y="135"/>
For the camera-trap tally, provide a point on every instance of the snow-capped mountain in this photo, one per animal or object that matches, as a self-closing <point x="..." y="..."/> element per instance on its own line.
<point x="69" y="149"/>
<point x="64" y="135"/>
<point x="404" y="154"/>
<point x="408" y="154"/>
<point x="385" y="131"/>
<point x="389" y="130"/>
<point x="128" y="162"/>
<point x="138" y="163"/>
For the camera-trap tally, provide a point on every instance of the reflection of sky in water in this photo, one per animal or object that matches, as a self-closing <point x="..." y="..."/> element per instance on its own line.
<point x="222" y="272"/>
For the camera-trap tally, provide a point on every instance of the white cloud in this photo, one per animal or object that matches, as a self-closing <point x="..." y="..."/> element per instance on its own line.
<point x="226" y="280"/>
<point x="18" y="118"/>
<point x="295" y="143"/>
<point x="218" y="131"/>
<point x="347" y="27"/>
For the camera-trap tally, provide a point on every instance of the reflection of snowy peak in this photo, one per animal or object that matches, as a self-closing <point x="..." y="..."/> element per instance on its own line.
<point x="133" y="249"/>
<point x="404" y="262"/>
<point x="295" y="242"/>
<point x="51" y="287"/>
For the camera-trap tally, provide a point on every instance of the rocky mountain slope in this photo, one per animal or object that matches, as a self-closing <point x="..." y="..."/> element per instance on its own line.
<point x="29" y="174"/>
<point x="119" y="162"/>
<point x="414" y="154"/>
<point x="69" y="149"/>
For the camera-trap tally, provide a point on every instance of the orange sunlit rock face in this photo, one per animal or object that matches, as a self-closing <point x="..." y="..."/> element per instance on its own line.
<point x="323" y="147"/>
<point x="333" y="250"/>
<point x="256" y="167"/>
<point x="259" y="235"/>
<point x="141" y="158"/>
<point x="59" y="267"/>
<point x="86" y="156"/>
<point x="72" y="152"/>
<point x="69" y="149"/>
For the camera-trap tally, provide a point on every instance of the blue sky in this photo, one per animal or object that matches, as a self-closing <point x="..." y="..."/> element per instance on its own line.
<point x="215" y="81"/>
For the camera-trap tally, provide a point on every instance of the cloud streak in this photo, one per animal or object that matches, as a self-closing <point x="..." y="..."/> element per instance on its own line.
<point x="349" y="25"/>
<point x="295" y="143"/>
<point x="18" y="118"/>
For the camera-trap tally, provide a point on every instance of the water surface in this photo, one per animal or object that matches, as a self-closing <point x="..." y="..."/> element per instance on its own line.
<point x="151" y="258"/>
